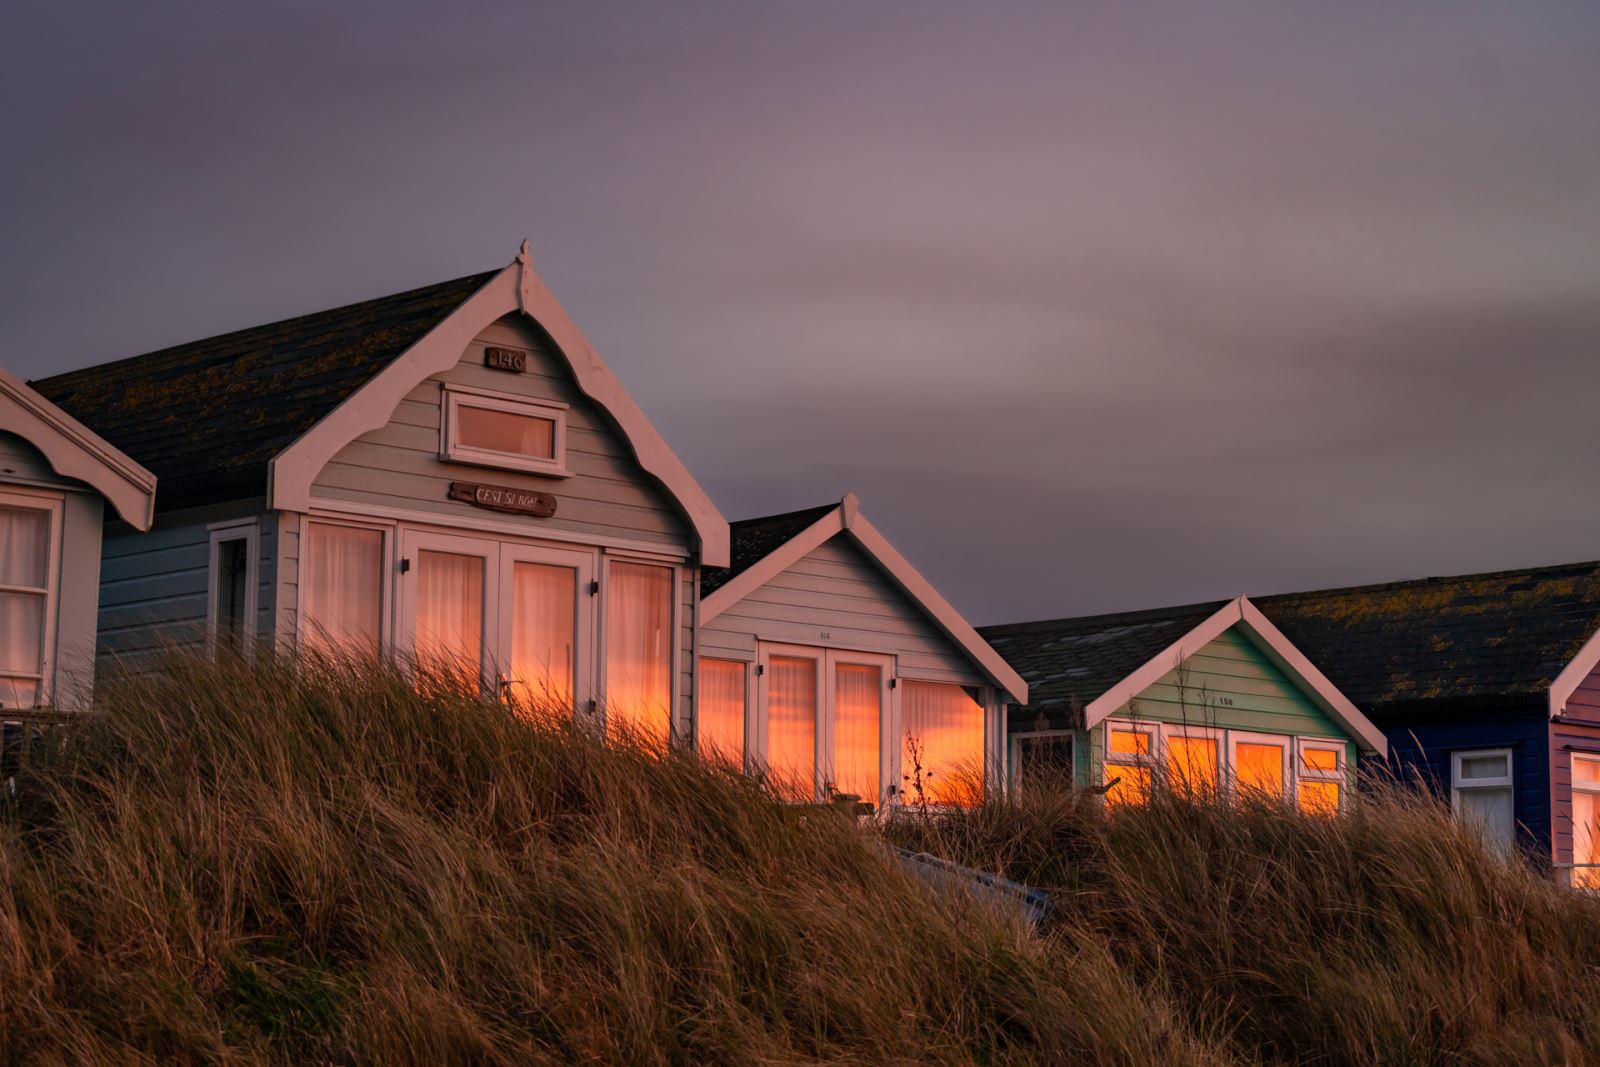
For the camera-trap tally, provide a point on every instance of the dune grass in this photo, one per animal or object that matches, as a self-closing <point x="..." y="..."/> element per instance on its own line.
<point x="249" y="864"/>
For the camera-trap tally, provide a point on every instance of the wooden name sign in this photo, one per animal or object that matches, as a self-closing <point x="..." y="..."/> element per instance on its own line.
<point x="503" y="498"/>
<point x="507" y="359"/>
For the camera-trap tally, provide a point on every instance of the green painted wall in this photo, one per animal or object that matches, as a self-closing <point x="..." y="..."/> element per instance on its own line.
<point x="1229" y="684"/>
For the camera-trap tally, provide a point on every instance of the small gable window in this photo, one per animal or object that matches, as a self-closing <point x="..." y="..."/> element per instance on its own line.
<point x="500" y="430"/>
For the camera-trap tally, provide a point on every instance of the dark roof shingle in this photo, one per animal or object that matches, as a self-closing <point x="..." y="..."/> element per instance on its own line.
<point x="1069" y="662"/>
<point x="1467" y="640"/>
<point x="752" y="540"/>
<point x="207" y="416"/>
<point x="1464" y="642"/>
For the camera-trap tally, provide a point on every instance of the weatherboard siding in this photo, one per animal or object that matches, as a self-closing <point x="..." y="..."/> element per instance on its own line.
<point x="1227" y="684"/>
<point x="836" y="597"/>
<point x="1578" y="730"/>
<point x="154" y="586"/>
<point x="608" y="496"/>
<point x="1419" y="754"/>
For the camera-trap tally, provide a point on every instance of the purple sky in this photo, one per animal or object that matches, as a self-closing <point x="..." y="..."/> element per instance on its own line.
<point x="1095" y="309"/>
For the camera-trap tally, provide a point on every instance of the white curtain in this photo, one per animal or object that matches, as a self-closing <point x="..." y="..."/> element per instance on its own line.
<point x="639" y="650"/>
<point x="943" y="729"/>
<point x="24" y="565"/>
<point x="792" y="725"/>
<point x="543" y="629"/>
<point x="450" y="611"/>
<point x="720" y="729"/>
<point x="341" y="588"/>
<point x="857" y="729"/>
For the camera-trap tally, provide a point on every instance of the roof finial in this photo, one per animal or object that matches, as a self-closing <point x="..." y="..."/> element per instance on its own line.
<point x="525" y="279"/>
<point x="848" y="505"/>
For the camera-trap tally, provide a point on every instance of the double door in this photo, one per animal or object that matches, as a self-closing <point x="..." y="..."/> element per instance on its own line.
<point x="825" y="717"/>
<point x="519" y="616"/>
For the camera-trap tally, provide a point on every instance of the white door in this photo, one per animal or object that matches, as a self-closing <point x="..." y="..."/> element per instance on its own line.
<point x="519" y="616"/>
<point x="824" y="722"/>
<point x="449" y="601"/>
<point x="546" y="631"/>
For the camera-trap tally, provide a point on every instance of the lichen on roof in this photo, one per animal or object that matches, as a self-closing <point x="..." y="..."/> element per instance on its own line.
<point x="206" y="417"/>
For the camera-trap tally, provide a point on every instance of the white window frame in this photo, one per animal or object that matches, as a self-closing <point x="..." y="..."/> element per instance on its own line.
<point x="602" y="630"/>
<point x="248" y="531"/>
<point x="1291" y="753"/>
<point x="1339" y="776"/>
<point x="1506" y="781"/>
<point x="386" y="585"/>
<point x="1580" y="873"/>
<point x="1154" y="760"/>
<point x="452" y="451"/>
<point x="889" y="722"/>
<point x="1014" y="755"/>
<point x="54" y="504"/>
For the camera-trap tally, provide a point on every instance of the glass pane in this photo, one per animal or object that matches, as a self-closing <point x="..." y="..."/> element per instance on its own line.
<point x="1131" y="784"/>
<point x="1319" y="759"/>
<point x="1045" y="762"/>
<point x="792" y="726"/>
<point x="1496" y="766"/>
<point x="1585" y="770"/>
<point x="341" y="588"/>
<point x="942" y="751"/>
<point x="1192" y="764"/>
<point x="857" y="729"/>
<point x="1258" y="768"/>
<point x="720" y="731"/>
<point x="21" y="633"/>
<point x="543" y="633"/>
<point x="233" y="571"/>
<point x="18" y="692"/>
<point x="505" y="431"/>
<point x="639" y="651"/>
<point x="1130" y="742"/>
<point x="1585" y="836"/>
<point x="1490" y="810"/>
<point x="450" y="612"/>
<point x="1320" y="798"/>
<point x="24" y="547"/>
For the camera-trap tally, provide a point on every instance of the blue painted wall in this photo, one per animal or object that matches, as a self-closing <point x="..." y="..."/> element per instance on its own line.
<point x="1423" y="749"/>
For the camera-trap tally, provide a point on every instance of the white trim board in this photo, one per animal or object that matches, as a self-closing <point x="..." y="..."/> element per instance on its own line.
<point x="515" y="290"/>
<point x="1272" y="643"/>
<point x="847" y="519"/>
<point x="1573" y="675"/>
<point x="75" y="451"/>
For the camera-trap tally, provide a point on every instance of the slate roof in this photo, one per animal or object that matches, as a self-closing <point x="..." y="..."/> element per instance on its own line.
<point x="1469" y="642"/>
<point x="752" y="540"/>
<point x="1472" y="641"/>
<point x="207" y="416"/>
<point x="1069" y="662"/>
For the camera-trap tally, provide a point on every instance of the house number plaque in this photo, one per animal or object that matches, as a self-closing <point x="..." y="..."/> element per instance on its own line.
<point x="504" y="498"/>
<point x="507" y="359"/>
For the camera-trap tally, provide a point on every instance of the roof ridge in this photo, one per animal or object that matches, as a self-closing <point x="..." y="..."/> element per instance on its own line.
<point x="819" y="510"/>
<point x="1104" y="617"/>
<point x="56" y="380"/>
<point x="1548" y="568"/>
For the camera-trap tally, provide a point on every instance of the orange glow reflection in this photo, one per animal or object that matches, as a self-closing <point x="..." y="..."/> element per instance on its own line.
<point x="857" y="729"/>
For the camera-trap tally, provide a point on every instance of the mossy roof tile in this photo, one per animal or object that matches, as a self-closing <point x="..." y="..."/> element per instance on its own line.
<point x="206" y="417"/>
